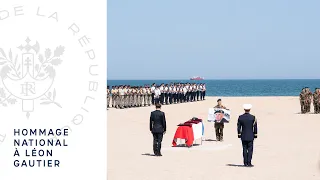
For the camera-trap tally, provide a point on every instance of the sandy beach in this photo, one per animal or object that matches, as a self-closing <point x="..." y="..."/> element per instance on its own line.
<point x="287" y="147"/>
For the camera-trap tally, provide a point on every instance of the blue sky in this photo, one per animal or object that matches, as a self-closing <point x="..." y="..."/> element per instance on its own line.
<point x="216" y="39"/>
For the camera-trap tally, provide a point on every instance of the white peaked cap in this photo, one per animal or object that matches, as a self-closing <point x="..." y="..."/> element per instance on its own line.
<point x="247" y="106"/>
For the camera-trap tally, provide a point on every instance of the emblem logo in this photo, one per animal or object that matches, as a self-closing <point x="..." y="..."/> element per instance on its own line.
<point x="28" y="75"/>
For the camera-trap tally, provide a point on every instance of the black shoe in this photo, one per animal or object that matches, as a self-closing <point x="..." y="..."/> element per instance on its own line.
<point x="250" y="165"/>
<point x="245" y="164"/>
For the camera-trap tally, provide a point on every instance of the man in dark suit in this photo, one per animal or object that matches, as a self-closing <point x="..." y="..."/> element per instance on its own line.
<point x="158" y="127"/>
<point x="247" y="131"/>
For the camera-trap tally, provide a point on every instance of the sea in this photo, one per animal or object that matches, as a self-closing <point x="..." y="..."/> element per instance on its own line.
<point x="235" y="88"/>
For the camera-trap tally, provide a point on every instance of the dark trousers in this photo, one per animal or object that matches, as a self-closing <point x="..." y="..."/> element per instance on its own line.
<point x="157" y="139"/>
<point x="166" y="98"/>
<point x="198" y="93"/>
<point x="156" y="100"/>
<point x="152" y="98"/>
<point x="170" y="98"/>
<point x="204" y="95"/>
<point x="247" y="151"/>
<point x="187" y="96"/>
<point x="219" y="131"/>
<point x="161" y="98"/>
<point x="175" y="98"/>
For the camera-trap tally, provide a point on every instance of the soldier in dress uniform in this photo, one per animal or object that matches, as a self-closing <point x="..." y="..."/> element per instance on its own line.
<point x="166" y="94"/>
<point x="108" y="96"/>
<point x="153" y="87"/>
<point x="247" y="130"/>
<point x="198" y="92"/>
<point x="179" y="93"/>
<point x="187" y="93"/>
<point x="219" y="126"/>
<point x="170" y="93"/>
<point x="162" y="94"/>
<point x="201" y="92"/>
<point x="204" y="91"/>
<point x="174" y="94"/>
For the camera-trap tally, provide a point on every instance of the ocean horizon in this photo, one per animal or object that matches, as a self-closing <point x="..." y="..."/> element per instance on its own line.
<point x="238" y="87"/>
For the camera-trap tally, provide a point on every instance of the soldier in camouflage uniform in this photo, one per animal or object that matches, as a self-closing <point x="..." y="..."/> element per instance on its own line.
<point x="309" y="99"/>
<point x="135" y="97"/>
<point x="112" y="96"/>
<point x="149" y="96"/>
<point x="316" y="101"/>
<point x="121" y="97"/>
<point x="117" y="97"/>
<point x="302" y="101"/>
<point x="144" y="92"/>
<point x="131" y="97"/>
<point x="126" y="100"/>
<point x="108" y="96"/>
<point x="140" y="95"/>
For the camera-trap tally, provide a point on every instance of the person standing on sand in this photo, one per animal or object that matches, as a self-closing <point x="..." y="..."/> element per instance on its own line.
<point x="157" y="94"/>
<point x="158" y="127"/>
<point x="153" y="87"/>
<point x="247" y="131"/>
<point x="108" y="96"/>
<point x="316" y="98"/>
<point x="218" y="126"/>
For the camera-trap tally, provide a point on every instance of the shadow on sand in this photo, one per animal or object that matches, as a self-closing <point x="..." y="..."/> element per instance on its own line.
<point x="306" y="113"/>
<point x="184" y="145"/>
<point x="235" y="165"/>
<point x="210" y="140"/>
<point x="147" y="154"/>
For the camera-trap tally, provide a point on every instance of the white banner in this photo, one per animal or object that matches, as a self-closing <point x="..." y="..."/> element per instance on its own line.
<point x="219" y="115"/>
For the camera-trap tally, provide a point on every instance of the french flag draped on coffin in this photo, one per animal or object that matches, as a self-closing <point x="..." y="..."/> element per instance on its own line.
<point x="219" y="115"/>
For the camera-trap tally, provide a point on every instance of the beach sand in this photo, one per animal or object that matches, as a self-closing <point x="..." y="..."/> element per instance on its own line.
<point x="287" y="148"/>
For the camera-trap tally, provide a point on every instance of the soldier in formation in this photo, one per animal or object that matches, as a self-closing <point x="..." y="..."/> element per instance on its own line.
<point x="126" y="96"/>
<point x="108" y="96"/>
<point x="316" y="101"/>
<point x="306" y="98"/>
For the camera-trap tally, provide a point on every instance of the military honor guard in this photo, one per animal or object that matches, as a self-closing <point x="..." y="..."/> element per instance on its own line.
<point x="316" y="101"/>
<point x="247" y="128"/>
<point x="126" y="96"/>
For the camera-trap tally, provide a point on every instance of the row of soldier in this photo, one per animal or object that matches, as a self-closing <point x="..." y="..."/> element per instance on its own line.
<point x="306" y="98"/>
<point x="126" y="96"/>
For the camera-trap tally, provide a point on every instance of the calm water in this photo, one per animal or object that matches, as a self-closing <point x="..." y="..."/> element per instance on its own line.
<point x="239" y="87"/>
